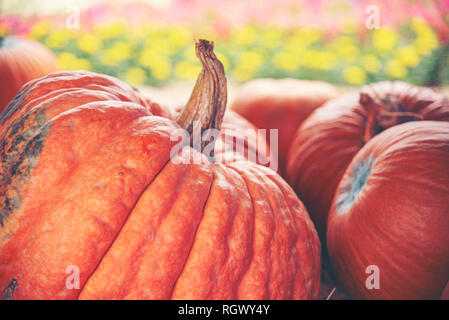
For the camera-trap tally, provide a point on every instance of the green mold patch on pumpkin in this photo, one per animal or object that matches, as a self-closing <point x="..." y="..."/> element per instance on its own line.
<point x="19" y="153"/>
<point x="353" y="187"/>
<point x="11" y="288"/>
<point x="20" y="132"/>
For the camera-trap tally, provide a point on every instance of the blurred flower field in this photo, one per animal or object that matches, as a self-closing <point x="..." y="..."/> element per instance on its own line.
<point x="155" y="52"/>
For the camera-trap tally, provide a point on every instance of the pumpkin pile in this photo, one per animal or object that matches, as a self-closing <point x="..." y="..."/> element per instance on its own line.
<point x="330" y="138"/>
<point x="89" y="182"/>
<point x="21" y="60"/>
<point x="372" y="168"/>
<point x="281" y="104"/>
<point x="107" y="194"/>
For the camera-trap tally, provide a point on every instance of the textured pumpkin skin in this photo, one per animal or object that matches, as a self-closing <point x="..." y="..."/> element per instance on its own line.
<point x="87" y="181"/>
<point x="281" y="104"/>
<point x="391" y="210"/>
<point x="327" y="141"/>
<point x="21" y="61"/>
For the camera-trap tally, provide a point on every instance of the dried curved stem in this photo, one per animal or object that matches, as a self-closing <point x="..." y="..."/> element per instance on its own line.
<point x="378" y="116"/>
<point x="207" y="102"/>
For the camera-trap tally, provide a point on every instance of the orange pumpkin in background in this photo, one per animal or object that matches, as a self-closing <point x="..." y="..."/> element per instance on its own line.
<point x="88" y="183"/>
<point x="327" y="141"/>
<point x="390" y="215"/>
<point x="21" y="60"/>
<point x="281" y="104"/>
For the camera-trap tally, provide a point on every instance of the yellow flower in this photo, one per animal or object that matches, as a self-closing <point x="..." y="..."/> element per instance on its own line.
<point x="354" y="75"/>
<point x="301" y="39"/>
<point x="40" y="29"/>
<point x="294" y="44"/>
<point x="348" y="52"/>
<point x="371" y="63"/>
<point x="307" y="35"/>
<point x="384" y="39"/>
<point x="65" y="60"/>
<point x="346" y="48"/>
<point x="187" y="70"/>
<point x="245" y="36"/>
<point x="136" y="76"/>
<point x="420" y="27"/>
<point x="81" y="64"/>
<point x="159" y="64"/>
<point x="321" y="60"/>
<point x="425" y="44"/>
<point x="110" y="30"/>
<point x="426" y="39"/>
<point x="146" y="57"/>
<point x="58" y="38"/>
<point x="146" y="30"/>
<point x="241" y="73"/>
<point x="250" y="60"/>
<point x="89" y="43"/>
<point x="247" y="63"/>
<point x="161" y="45"/>
<point x="287" y="61"/>
<point x="68" y="61"/>
<point x="343" y="41"/>
<point x="324" y="60"/>
<point x="395" y="69"/>
<point x="271" y="38"/>
<point x="161" y="68"/>
<point x="408" y="56"/>
<point x="117" y="53"/>
<point x="180" y="37"/>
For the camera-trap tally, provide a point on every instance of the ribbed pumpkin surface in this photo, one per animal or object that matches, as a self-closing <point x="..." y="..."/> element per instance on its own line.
<point x="87" y="181"/>
<point x="391" y="210"/>
<point x="327" y="141"/>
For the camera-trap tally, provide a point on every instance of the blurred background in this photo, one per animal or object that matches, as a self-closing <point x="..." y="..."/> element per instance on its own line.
<point x="150" y="42"/>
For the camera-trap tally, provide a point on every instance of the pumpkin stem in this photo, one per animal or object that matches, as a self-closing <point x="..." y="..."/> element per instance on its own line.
<point x="384" y="113"/>
<point x="207" y="102"/>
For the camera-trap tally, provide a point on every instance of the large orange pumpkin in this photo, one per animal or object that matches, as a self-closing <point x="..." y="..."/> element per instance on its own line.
<point x="328" y="140"/>
<point x="390" y="215"/>
<point x="281" y="104"/>
<point x="21" y="60"/>
<point x="88" y="185"/>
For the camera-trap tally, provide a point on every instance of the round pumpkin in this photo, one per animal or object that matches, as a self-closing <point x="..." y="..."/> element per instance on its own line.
<point x="281" y="104"/>
<point x="388" y="225"/>
<point x="21" y="60"/>
<point x="95" y="204"/>
<point x="327" y="141"/>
